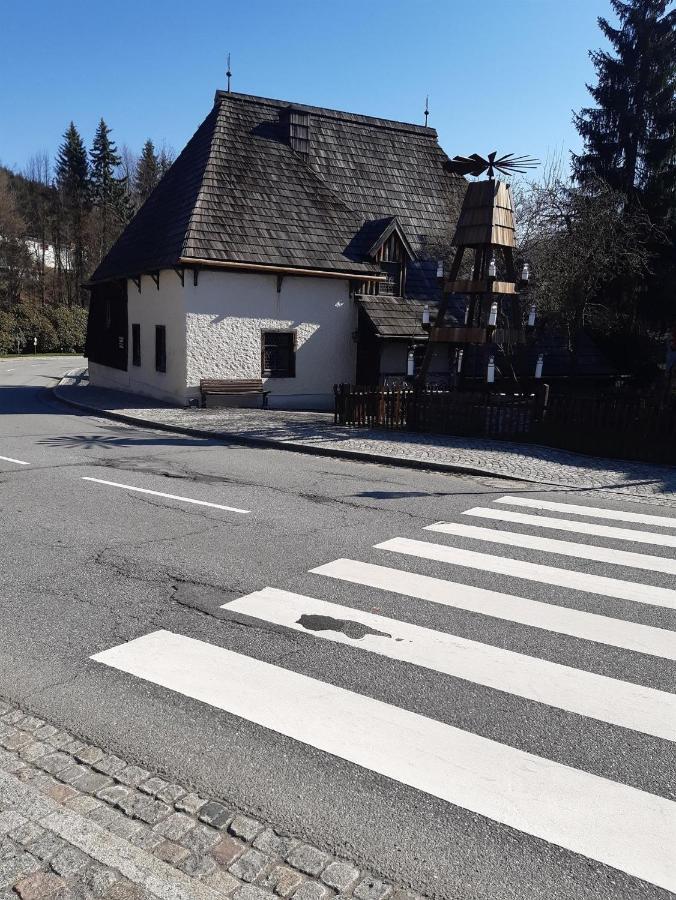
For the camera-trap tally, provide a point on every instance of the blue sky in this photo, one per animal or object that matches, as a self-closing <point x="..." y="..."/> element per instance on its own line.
<point x="500" y="75"/>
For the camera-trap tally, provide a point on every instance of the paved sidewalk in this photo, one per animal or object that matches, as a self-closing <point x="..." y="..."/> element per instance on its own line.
<point x="312" y="432"/>
<point x="77" y="823"/>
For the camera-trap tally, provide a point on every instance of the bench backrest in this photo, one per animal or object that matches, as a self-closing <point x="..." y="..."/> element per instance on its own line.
<point x="228" y="385"/>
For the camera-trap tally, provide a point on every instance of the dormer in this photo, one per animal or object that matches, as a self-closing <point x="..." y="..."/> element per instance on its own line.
<point x="392" y="251"/>
<point x="296" y="129"/>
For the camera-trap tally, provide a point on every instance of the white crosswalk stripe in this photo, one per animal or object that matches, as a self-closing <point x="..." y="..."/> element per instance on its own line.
<point x="602" y="819"/>
<point x="529" y="571"/>
<point x="549" y="617"/>
<point x="606" y="820"/>
<point x="607" y="699"/>
<point x="593" y="528"/>
<point x="592" y="512"/>
<point x="562" y="548"/>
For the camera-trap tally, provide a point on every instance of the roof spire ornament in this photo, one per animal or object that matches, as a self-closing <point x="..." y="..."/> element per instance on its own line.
<point x="228" y="74"/>
<point x="476" y="165"/>
<point x="427" y="108"/>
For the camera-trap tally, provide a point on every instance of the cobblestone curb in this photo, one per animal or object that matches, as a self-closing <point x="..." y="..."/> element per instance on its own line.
<point x="77" y="823"/>
<point x="314" y="433"/>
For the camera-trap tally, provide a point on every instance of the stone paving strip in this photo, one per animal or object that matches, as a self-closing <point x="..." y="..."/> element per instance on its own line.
<point x="77" y="823"/>
<point x="313" y="432"/>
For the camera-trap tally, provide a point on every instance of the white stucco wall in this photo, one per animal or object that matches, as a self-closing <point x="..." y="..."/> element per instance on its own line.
<point x="228" y="311"/>
<point x="214" y="330"/>
<point x="149" y="308"/>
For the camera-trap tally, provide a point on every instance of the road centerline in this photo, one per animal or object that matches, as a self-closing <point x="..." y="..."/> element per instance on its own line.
<point x="18" y="462"/>
<point x="140" y="490"/>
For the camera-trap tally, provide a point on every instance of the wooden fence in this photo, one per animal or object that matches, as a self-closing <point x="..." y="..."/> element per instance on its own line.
<point x="609" y="425"/>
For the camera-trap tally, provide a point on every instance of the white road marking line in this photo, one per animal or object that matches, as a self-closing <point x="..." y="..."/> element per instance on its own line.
<point x="129" y="487"/>
<point x="516" y="568"/>
<point x="19" y="462"/>
<point x="594" y="528"/>
<point x="610" y="822"/>
<point x="533" y="613"/>
<point x="594" y="512"/>
<point x="585" y="693"/>
<point x="562" y="548"/>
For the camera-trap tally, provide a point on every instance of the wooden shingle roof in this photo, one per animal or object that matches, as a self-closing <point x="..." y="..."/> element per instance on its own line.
<point x="239" y="193"/>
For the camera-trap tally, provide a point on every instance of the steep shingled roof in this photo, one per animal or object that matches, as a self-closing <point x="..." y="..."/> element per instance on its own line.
<point x="239" y="193"/>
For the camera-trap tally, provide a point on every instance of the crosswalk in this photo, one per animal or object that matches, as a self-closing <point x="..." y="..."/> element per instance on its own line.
<point x="606" y="820"/>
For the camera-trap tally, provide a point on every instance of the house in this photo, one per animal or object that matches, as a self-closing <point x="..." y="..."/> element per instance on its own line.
<point x="288" y="242"/>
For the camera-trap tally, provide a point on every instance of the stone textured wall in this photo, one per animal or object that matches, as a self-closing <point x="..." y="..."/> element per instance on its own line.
<point x="214" y="330"/>
<point x="228" y="311"/>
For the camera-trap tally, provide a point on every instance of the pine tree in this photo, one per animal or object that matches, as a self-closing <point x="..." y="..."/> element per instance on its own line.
<point x="72" y="182"/>
<point x="630" y="136"/>
<point x="108" y="191"/>
<point x="147" y="171"/>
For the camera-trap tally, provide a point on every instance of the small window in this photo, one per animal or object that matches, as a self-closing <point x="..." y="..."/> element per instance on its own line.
<point x="160" y="348"/>
<point x="136" y="344"/>
<point x="278" y="354"/>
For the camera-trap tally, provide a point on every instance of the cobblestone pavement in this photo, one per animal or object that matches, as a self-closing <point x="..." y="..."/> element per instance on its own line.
<point x="311" y="431"/>
<point x="77" y="823"/>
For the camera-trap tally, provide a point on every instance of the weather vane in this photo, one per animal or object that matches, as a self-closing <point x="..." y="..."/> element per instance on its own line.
<point x="427" y="109"/>
<point x="228" y="73"/>
<point x="476" y="165"/>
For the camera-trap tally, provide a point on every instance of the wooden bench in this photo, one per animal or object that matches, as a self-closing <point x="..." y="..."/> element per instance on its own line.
<point x="227" y="387"/>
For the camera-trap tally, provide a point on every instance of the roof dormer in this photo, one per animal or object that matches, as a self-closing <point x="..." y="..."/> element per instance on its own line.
<point x="296" y="129"/>
<point x="392" y="251"/>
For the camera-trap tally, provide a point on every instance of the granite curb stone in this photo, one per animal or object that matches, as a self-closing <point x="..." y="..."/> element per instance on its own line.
<point x="109" y="840"/>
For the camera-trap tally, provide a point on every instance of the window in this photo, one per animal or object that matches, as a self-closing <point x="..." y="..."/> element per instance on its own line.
<point x="278" y="354"/>
<point x="136" y="345"/>
<point x="160" y="348"/>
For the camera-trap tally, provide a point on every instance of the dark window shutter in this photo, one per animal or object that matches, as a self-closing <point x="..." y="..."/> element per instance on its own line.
<point x="160" y="348"/>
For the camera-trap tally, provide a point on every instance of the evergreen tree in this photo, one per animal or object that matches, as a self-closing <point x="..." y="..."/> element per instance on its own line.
<point x="630" y="136"/>
<point x="147" y="171"/>
<point x="630" y="143"/>
<point x="108" y="191"/>
<point x="72" y="168"/>
<point x="72" y="182"/>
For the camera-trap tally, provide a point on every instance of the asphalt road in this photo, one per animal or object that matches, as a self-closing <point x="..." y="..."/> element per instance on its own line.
<point x="87" y="566"/>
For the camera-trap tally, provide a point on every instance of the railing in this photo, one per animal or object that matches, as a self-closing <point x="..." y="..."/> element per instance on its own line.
<point x="605" y="425"/>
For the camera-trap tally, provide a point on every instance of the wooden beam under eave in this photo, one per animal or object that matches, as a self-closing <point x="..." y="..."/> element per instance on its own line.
<point x="281" y="270"/>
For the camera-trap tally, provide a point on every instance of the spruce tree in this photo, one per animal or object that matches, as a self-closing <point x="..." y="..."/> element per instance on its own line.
<point x="630" y="136"/>
<point x="72" y="168"/>
<point x="72" y="182"/>
<point x="108" y="191"/>
<point x="630" y="143"/>
<point x="147" y="172"/>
